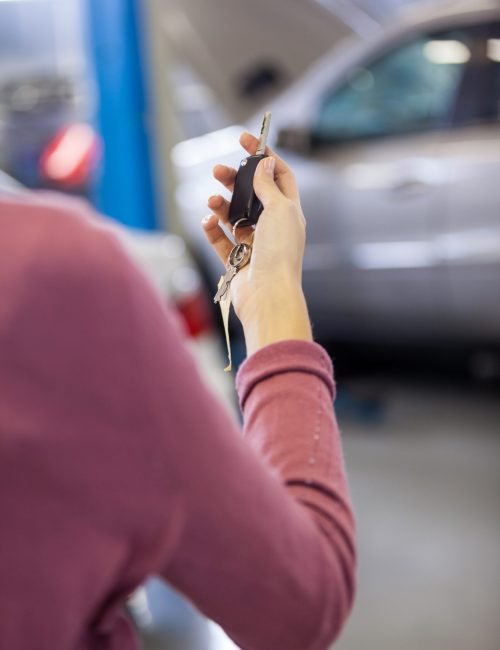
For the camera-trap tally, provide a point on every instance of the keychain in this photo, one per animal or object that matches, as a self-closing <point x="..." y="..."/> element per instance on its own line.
<point x="238" y="258"/>
<point x="245" y="210"/>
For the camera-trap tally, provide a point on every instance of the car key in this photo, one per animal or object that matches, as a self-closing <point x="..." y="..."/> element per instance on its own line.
<point x="238" y="258"/>
<point x="245" y="208"/>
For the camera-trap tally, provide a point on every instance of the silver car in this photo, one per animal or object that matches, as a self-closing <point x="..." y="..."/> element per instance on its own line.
<point x="396" y="145"/>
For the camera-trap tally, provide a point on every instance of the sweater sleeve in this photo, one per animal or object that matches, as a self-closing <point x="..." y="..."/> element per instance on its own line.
<point x="268" y="548"/>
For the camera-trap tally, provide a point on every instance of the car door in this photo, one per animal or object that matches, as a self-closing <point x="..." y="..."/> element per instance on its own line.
<point x="379" y="134"/>
<point x="470" y="152"/>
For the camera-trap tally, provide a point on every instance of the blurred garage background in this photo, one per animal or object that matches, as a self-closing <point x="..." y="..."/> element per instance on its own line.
<point x="389" y="113"/>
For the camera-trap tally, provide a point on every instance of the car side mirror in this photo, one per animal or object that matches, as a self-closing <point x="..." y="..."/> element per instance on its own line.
<point x="298" y="140"/>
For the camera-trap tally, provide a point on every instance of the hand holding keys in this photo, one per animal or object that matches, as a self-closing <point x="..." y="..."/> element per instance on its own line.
<point x="245" y="210"/>
<point x="263" y="270"/>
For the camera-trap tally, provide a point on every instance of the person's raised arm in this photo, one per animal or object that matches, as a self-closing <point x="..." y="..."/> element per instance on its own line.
<point x="268" y="548"/>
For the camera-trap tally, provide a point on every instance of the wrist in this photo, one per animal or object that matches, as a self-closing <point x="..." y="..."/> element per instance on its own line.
<point x="274" y="317"/>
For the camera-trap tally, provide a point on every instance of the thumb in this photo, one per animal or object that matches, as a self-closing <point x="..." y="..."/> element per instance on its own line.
<point x="263" y="182"/>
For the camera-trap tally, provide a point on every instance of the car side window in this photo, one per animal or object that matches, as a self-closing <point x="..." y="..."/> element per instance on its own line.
<point x="410" y="88"/>
<point x="479" y="100"/>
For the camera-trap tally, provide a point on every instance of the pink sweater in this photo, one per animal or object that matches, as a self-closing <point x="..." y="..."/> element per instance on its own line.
<point x="115" y="462"/>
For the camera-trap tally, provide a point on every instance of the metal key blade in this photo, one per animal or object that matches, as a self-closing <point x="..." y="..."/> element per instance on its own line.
<point x="264" y="134"/>
<point x="224" y="284"/>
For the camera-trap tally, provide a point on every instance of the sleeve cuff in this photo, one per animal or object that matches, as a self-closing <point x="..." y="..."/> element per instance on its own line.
<point x="280" y="358"/>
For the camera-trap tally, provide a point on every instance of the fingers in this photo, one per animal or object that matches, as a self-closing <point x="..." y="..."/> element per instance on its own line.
<point x="273" y="179"/>
<point x="217" y="237"/>
<point x="264" y="182"/>
<point x="220" y="207"/>
<point x="283" y="174"/>
<point x="225" y="175"/>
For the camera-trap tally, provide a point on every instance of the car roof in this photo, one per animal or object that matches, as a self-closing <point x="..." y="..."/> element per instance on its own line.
<point x="430" y="10"/>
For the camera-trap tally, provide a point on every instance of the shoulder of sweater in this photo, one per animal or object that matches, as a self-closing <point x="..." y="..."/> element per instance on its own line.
<point x="57" y="235"/>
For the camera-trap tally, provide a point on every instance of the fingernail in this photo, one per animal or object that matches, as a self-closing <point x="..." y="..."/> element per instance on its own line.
<point x="269" y="165"/>
<point x="214" y="196"/>
<point x="206" y="219"/>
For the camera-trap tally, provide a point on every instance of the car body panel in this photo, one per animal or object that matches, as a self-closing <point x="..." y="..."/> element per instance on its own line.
<point x="471" y="234"/>
<point x="382" y="218"/>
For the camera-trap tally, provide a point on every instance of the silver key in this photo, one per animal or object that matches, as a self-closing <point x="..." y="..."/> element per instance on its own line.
<point x="238" y="258"/>
<point x="264" y="134"/>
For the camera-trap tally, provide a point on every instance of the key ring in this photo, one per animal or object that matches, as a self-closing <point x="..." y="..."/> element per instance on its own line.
<point x="240" y="255"/>
<point x="237" y="225"/>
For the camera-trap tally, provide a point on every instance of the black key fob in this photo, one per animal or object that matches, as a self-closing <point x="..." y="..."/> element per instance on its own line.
<point x="245" y="207"/>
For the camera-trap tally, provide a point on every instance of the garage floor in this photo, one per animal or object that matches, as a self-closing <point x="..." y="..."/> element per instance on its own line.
<point x="424" y="466"/>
